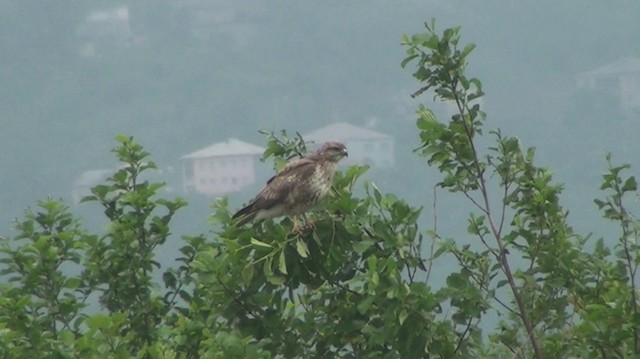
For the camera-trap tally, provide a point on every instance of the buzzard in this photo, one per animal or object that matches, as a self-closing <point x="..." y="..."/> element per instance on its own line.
<point x="300" y="185"/>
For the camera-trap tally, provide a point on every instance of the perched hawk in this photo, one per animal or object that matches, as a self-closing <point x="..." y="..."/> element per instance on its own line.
<point x="300" y="185"/>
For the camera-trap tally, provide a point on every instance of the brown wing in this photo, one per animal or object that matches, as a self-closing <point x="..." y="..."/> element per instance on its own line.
<point x="280" y="185"/>
<point x="273" y="197"/>
<point x="291" y="166"/>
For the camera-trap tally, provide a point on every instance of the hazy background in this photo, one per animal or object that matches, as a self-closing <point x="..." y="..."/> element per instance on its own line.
<point x="181" y="75"/>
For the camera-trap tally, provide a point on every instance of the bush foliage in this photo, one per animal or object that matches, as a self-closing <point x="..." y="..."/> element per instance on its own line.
<point x="356" y="284"/>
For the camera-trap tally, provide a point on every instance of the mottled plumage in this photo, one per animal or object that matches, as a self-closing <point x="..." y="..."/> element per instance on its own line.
<point x="300" y="185"/>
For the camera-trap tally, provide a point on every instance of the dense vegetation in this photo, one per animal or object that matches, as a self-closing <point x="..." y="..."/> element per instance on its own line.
<point x="357" y="284"/>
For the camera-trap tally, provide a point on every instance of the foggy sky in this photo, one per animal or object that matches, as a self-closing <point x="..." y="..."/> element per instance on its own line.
<point x="179" y="80"/>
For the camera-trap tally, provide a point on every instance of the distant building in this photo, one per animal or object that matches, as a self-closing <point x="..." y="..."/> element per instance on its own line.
<point x="221" y="168"/>
<point x="365" y="146"/>
<point x="621" y="78"/>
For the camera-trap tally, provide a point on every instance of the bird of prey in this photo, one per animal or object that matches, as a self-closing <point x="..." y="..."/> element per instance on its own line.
<point x="299" y="186"/>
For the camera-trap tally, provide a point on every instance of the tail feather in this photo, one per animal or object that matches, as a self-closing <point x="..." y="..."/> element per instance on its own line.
<point x="244" y="215"/>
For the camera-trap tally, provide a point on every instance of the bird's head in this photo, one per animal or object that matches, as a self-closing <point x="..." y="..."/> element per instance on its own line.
<point x="333" y="151"/>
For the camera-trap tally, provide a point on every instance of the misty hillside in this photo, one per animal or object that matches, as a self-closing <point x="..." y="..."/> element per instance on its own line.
<point x="181" y="75"/>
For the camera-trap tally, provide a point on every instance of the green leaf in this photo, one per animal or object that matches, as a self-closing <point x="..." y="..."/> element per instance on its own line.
<point x="405" y="39"/>
<point x="122" y="138"/>
<point x="441" y="249"/>
<point x="67" y="337"/>
<point x="427" y="120"/>
<point x="403" y="316"/>
<point x="302" y="248"/>
<point x="276" y="279"/>
<point x="376" y="192"/>
<point x="169" y="279"/>
<point x="98" y="321"/>
<point x="266" y="267"/>
<point x="362" y="246"/>
<point x="365" y="304"/>
<point x="407" y="60"/>
<point x="247" y="273"/>
<point x="88" y="199"/>
<point x="456" y="280"/>
<point x="258" y="243"/>
<point x="630" y="184"/>
<point x="282" y="264"/>
<point x="502" y="283"/>
<point x="426" y="39"/>
<point x="600" y="203"/>
<point x="375" y="279"/>
<point x="72" y="283"/>
<point x="467" y="49"/>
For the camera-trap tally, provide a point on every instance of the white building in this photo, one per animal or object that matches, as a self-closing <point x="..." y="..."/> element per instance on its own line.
<point x="621" y="78"/>
<point x="221" y="168"/>
<point x="365" y="146"/>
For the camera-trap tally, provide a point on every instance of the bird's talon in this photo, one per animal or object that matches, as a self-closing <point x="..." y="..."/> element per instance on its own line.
<point x="310" y="225"/>
<point x="297" y="228"/>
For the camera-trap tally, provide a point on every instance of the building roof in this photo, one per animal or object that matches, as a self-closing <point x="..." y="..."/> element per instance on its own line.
<point x="231" y="147"/>
<point x="343" y="131"/>
<point x="621" y="66"/>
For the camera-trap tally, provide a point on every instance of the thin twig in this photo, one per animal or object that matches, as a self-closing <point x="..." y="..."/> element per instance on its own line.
<point x="504" y="207"/>
<point x="466" y="330"/>
<point x="435" y="231"/>
<point x="503" y="258"/>
<point x="632" y="273"/>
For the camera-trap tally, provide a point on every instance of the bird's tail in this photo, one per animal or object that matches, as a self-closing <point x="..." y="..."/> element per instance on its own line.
<point x="245" y="215"/>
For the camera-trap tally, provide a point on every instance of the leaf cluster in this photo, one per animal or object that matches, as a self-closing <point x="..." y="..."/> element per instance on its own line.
<point x="531" y="268"/>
